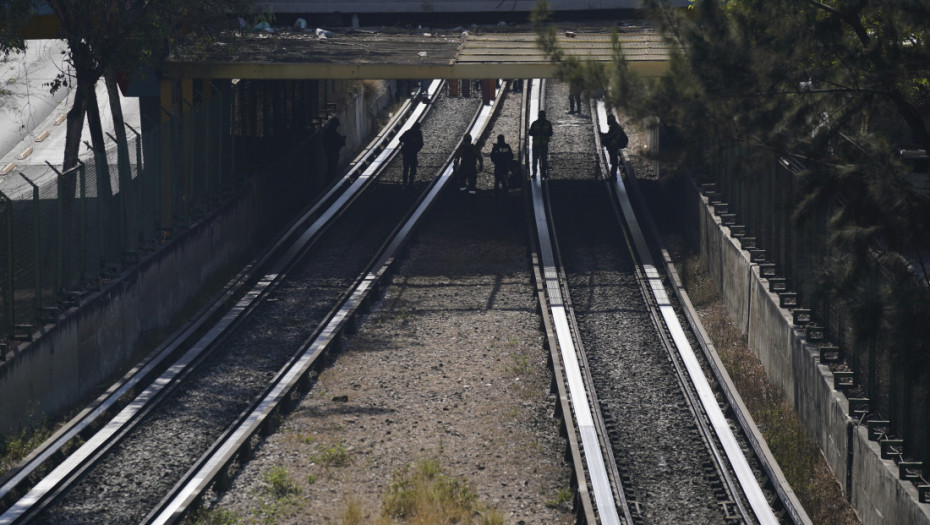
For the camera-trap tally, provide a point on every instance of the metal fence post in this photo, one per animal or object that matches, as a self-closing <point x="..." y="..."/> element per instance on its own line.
<point x="166" y="171"/>
<point x="140" y="183"/>
<point x="82" y="187"/>
<point x="36" y="251"/>
<point x="121" y="170"/>
<point x="9" y="292"/>
<point x="221" y="124"/>
<point x="60" y="212"/>
<point x="59" y="203"/>
<point x="189" y="144"/>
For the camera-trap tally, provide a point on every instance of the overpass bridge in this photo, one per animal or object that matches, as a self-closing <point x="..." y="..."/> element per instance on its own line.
<point x="351" y="53"/>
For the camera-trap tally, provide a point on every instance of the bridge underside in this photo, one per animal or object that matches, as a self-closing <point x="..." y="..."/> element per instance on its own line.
<point x="382" y="54"/>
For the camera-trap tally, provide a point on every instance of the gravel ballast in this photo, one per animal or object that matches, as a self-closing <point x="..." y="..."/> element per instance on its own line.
<point x="450" y="366"/>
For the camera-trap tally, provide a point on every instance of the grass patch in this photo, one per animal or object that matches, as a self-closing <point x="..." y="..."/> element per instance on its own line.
<point x="14" y="449"/>
<point x="423" y="494"/>
<point x="334" y="456"/>
<point x="352" y="514"/>
<point x="215" y="516"/>
<point x="283" y="495"/>
<point x="564" y="496"/>
<point x="797" y="454"/>
<point x="521" y="364"/>
<point x="279" y="483"/>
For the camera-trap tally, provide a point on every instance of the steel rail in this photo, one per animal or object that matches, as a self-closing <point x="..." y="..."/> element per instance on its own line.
<point x="610" y="461"/>
<point x="786" y="494"/>
<point x="718" y="422"/>
<point x="146" y="369"/>
<point x="212" y="465"/>
<point x="590" y="441"/>
<point x="62" y="474"/>
<point x="584" y="507"/>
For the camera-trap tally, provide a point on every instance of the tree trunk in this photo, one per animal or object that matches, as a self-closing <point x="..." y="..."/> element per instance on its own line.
<point x="119" y="130"/>
<point x="122" y="151"/>
<point x="104" y="187"/>
<point x="69" y="190"/>
<point x="75" y="126"/>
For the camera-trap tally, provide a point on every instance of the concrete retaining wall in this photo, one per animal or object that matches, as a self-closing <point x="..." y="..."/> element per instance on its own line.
<point x="70" y="359"/>
<point x="90" y="343"/>
<point x="870" y="482"/>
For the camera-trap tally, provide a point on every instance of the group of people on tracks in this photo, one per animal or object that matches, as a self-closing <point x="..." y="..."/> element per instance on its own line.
<point x="468" y="160"/>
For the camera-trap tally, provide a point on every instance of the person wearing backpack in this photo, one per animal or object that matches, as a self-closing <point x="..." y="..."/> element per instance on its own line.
<point x="614" y="139"/>
<point x="467" y="163"/>
<point x="502" y="157"/>
<point x="410" y="144"/>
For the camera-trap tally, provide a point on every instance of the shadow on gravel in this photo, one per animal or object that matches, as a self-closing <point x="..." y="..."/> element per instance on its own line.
<point x="342" y="408"/>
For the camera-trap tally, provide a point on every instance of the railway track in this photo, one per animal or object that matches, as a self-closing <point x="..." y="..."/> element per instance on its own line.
<point x="639" y="454"/>
<point x="676" y="457"/>
<point x="122" y="472"/>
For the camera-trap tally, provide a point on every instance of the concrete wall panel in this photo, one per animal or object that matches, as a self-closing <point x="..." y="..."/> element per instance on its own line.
<point x="823" y="410"/>
<point x="736" y="275"/>
<point x="92" y="342"/>
<point x="769" y="334"/>
<point x="877" y="494"/>
<point x="711" y="239"/>
<point x="793" y="364"/>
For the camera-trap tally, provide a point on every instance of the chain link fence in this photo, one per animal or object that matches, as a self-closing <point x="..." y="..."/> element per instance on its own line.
<point x="77" y="228"/>
<point x="73" y="230"/>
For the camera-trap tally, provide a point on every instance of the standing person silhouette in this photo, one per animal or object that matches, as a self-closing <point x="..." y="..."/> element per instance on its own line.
<point x="501" y="156"/>
<point x="411" y="142"/>
<point x="574" y="96"/>
<point x="333" y="141"/>
<point x="614" y="139"/>
<point x="541" y="132"/>
<point x="468" y="162"/>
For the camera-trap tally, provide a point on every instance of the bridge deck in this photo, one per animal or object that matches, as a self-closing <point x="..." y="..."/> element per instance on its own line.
<point x="385" y="54"/>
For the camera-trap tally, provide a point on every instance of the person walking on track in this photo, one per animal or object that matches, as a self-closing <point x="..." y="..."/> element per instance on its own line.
<point x="501" y="156"/>
<point x="333" y="141"/>
<point x="614" y="139"/>
<point x="541" y="131"/>
<point x="411" y="142"/>
<point x="574" y="96"/>
<point x="468" y="163"/>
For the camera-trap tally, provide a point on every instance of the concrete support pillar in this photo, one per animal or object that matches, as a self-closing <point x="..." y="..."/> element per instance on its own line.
<point x="289" y="105"/>
<point x="170" y="92"/>
<point x="246" y="108"/>
<point x="466" y="87"/>
<point x="454" y="87"/>
<point x="209" y="121"/>
<point x="267" y="108"/>
<point x="152" y="138"/>
<point x="187" y="148"/>
<point x="280" y="108"/>
<point x="488" y="87"/>
<point x="316" y="95"/>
